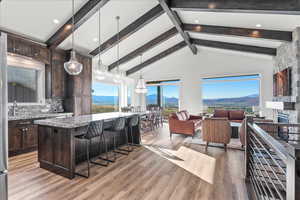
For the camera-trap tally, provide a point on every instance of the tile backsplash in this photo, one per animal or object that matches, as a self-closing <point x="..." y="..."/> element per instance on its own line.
<point x="53" y="105"/>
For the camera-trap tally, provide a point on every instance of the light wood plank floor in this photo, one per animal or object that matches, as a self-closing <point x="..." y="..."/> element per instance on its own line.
<point x="141" y="175"/>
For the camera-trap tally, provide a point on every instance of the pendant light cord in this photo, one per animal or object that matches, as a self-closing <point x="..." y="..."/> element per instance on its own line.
<point x="100" y="61"/>
<point x="118" y="38"/>
<point x="141" y="63"/>
<point x="73" y="23"/>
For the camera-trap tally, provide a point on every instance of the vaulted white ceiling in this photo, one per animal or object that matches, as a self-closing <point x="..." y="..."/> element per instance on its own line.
<point x="34" y="18"/>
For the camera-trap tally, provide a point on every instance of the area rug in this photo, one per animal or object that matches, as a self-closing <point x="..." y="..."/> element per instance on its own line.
<point x="234" y="142"/>
<point x="185" y="158"/>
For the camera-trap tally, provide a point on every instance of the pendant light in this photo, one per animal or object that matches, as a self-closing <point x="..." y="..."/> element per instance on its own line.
<point x="101" y="70"/>
<point x="141" y="85"/>
<point x="117" y="73"/>
<point x="73" y="67"/>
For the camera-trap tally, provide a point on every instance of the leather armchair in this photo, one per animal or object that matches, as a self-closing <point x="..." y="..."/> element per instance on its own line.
<point x="184" y="123"/>
<point x="216" y="130"/>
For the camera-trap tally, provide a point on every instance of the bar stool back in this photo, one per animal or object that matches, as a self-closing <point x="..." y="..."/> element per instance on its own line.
<point x="93" y="130"/>
<point x="119" y="128"/>
<point x="133" y="121"/>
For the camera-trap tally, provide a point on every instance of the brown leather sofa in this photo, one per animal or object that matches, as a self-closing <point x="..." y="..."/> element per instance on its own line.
<point x="231" y="115"/>
<point x="184" y="123"/>
<point x="216" y="130"/>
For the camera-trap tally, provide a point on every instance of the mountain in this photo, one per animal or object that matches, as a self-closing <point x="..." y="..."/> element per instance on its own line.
<point x="246" y="101"/>
<point x="105" y="100"/>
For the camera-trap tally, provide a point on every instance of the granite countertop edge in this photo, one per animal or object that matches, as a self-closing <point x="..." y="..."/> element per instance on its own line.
<point x="37" y="116"/>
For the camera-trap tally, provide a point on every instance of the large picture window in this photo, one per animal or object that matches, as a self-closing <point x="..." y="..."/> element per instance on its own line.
<point x="234" y="92"/>
<point x="105" y="97"/>
<point x="164" y="94"/>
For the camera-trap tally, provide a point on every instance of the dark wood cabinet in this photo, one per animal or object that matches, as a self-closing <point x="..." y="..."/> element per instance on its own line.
<point x="78" y="89"/>
<point x="29" y="49"/>
<point x="14" y="140"/>
<point x="58" y="74"/>
<point x="22" y="137"/>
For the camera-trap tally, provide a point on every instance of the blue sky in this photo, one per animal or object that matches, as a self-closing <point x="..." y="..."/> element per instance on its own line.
<point x="214" y="90"/>
<point x="101" y="89"/>
<point x="168" y="90"/>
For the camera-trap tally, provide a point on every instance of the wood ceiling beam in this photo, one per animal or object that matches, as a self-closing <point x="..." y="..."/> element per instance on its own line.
<point x="157" y="57"/>
<point x="149" y="45"/>
<point x="81" y="16"/>
<point x="178" y="24"/>
<point x="129" y="30"/>
<point x="238" y="6"/>
<point x="235" y="47"/>
<point x="244" y="32"/>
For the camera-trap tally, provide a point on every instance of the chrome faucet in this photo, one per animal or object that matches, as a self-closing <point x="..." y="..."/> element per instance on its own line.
<point x="14" y="107"/>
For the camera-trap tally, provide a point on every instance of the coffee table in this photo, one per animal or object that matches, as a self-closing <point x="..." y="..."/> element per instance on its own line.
<point x="235" y="129"/>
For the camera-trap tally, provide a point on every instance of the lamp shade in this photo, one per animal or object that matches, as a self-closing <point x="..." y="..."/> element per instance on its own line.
<point x="73" y="67"/>
<point x="141" y="86"/>
<point x="101" y="70"/>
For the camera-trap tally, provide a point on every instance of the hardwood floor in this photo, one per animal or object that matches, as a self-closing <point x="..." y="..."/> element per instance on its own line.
<point x="143" y="174"/>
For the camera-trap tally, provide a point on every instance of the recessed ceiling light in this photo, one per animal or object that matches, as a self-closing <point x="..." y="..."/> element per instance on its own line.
<point x="55" y="21"/>
<point x="95" y="39"/>
<point x="258" y="25"/>
<point x="197" y="21"/>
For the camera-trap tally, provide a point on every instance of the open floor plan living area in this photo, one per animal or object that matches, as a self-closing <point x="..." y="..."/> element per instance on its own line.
<point x="149" y="100"/>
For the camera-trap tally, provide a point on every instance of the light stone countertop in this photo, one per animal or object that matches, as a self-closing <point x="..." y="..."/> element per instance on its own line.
<point x="38" y="115"/>
<point x="84" y="120"/>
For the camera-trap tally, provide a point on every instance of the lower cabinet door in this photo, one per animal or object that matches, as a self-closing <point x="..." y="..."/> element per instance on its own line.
<point x="30" y="139"/>
<point x="15" y="138"/>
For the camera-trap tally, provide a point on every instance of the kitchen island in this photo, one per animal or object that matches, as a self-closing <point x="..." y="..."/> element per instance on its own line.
<point x="58" y="149"/>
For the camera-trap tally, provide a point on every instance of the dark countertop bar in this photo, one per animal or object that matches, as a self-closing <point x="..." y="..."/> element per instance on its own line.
<point x="38" y="116"/>
<point x="80" y="121"/>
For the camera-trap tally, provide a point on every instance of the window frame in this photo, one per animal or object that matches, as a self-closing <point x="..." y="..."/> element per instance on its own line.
<point x="18" y="61"/>
<point x="259" y="78"/>
<point x="119" y="91"/>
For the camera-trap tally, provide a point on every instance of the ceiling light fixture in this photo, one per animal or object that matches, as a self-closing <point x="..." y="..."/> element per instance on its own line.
<point x="197" y="21"/>
<point x="56" y="21"/>
<point x="117" y="71"/>
<point x="141" y="84"/>
<point x="258" y="25"/>
<point x="102" y="69"/>
<point x="73" y="67"/>
<point x="95" y="40"/>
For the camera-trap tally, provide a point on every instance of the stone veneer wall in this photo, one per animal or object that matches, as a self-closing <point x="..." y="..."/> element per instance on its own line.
<point x="288" y="55"/>
<point x="53" y="105"/>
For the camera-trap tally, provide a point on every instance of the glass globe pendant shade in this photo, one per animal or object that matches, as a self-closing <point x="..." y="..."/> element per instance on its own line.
<point x="73" y="67"/>
<point x="101" y="70"/>
<point x="141" y="86"/>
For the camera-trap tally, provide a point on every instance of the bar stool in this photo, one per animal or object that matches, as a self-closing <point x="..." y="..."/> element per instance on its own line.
<point x="133" y="121"/>
<point x="118" y="128"/>
<point x="93" y="130"/>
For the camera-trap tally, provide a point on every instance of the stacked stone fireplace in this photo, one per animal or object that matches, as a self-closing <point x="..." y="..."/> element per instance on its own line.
<point x="288" y="55"/>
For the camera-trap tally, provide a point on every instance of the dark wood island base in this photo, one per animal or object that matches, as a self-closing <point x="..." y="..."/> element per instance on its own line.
<point x="58" y="149"/>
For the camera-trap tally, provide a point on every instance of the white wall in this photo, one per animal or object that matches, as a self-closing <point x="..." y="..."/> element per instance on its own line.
<point x="210" y="62"/>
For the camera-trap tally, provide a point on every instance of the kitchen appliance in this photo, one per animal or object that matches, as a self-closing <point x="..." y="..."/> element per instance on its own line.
<point x="3" y="118"/>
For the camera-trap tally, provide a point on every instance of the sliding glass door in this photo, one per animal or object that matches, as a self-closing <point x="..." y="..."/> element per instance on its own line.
<point x="105" y="97"/>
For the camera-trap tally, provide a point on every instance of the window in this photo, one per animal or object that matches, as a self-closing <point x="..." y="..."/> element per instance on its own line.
<point x="129" y="95"/>
<point x="152" y="95"/>
<point x="105" y="97"/>
<point x="25" y="80"/>
<point x="164" y="94"/>
<point x="170" y="99"/>
<point x="235" y="92"/>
